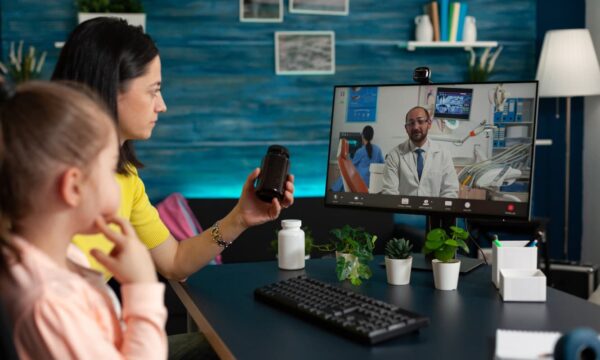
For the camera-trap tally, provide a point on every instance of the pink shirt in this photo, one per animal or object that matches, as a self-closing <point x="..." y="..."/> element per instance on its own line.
<point x="60" y="314"/>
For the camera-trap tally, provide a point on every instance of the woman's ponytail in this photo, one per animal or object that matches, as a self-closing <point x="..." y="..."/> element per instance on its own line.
<point x="368" y="133"/>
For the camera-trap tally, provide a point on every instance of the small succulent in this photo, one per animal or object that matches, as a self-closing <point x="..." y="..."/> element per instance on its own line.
<point x="398" y="249"/>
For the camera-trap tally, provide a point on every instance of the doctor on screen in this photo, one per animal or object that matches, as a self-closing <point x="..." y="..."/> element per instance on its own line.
<point x="418" y="167"/>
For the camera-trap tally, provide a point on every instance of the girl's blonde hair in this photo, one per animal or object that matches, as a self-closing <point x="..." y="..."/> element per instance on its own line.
<point x="43" y="125"/>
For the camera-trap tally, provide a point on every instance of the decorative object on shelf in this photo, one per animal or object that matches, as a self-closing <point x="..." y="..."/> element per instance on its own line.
<point x="443" y="247"/>
<point x="131" y="11"/>
<point x="261" y="10"/>
<point x="423" y="28"/>
<point x="304" y="52"/>
<point x="469" y="30"/>
<point x="23" y="67"/>
<point x="398" y="261"/>
<point x="320" y="7"/>
<point x="354" y="250"/>
<point x="479" y="71"/>
<point x="568" y="67"/>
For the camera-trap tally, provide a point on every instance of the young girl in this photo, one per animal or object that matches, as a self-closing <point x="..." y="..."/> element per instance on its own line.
<point x="58" y="154"/>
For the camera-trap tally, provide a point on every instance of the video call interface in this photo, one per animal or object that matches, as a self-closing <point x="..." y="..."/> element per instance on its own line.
<point x="464" y="149"/>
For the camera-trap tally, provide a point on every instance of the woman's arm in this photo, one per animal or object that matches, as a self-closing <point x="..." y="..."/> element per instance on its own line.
<point x="177" y="260"/>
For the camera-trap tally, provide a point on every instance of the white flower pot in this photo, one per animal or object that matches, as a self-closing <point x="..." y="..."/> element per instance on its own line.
<point x="398" y="270"/>
<point x="445" y="274"/>
<point x="135" y="19"/>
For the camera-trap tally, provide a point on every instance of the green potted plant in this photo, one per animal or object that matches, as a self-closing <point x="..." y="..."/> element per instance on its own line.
<point x="398" y="261"/>
<point x="354" y="250"/>
<point x="308" y="242"/>
<point x="130" y="10"/>
<point x="443" y="247"/>
<point x="480" y="71"/>
<point x="23" y="67"/>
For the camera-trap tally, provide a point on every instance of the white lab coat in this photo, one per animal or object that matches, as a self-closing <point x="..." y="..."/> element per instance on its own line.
<point x="438" y="179"/>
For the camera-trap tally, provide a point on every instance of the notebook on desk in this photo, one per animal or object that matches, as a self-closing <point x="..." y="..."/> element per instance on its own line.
<point x="525" y="345"/>
<point x="420" y="263"/>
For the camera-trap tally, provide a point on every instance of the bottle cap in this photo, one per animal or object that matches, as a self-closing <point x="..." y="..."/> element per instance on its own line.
<point x="291" y="223"/>
<point x="278" y="149"/>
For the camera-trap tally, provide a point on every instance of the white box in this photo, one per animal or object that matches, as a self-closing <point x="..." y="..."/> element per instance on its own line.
<point x="522" y="285"/>
<point x="512" y="255"/>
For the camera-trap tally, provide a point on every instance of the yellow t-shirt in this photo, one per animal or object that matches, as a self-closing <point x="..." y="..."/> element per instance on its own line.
<point x="135" y="207"/>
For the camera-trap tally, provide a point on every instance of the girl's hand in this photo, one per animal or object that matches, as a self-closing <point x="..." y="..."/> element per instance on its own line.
<point x="129" y="260"/>
<point x="253" y="211"/>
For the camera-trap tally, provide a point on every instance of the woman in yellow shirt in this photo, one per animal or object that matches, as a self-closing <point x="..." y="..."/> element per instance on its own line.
<point x="123" y="65"/>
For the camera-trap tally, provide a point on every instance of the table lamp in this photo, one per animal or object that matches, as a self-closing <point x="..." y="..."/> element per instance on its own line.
<point x="568" y="67"/>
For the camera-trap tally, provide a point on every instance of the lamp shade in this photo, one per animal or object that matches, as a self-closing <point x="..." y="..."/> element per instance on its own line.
<point x="568" y="64"/>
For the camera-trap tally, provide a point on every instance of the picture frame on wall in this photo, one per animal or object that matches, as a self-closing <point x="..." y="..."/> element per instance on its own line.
<point x="304" y="52"/>
<point x="320" y="7"/>
<point x="261" y="10"/>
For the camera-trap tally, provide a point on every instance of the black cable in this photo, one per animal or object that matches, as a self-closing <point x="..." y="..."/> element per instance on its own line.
<point x="475" y="242"/>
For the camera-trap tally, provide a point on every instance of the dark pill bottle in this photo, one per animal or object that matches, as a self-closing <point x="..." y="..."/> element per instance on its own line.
<point x="273" y="173"/>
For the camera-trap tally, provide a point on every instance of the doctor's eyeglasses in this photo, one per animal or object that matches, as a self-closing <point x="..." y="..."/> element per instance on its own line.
<point x="413" y="123"/>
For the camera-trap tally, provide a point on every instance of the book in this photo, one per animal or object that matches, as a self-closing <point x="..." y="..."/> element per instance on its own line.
<point x="461" y="21"/>
<point x="517" y="344"/>
<point x="435" y="20"/>
<point x="444" y="4"/>
<point x="453" y="26"/>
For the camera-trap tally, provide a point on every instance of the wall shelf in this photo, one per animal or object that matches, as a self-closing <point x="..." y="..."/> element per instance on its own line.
<point x="413" y="45"/>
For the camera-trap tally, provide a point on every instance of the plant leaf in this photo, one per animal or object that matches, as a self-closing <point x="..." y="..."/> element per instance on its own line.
<point x="445" y="254"/>
<point x="463" y="245"/>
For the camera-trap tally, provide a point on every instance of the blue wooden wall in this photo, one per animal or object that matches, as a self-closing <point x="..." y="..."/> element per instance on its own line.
<point x="226" y="105"/>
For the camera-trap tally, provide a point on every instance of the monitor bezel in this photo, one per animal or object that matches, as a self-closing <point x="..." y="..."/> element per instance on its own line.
<point x="458" y="214"/>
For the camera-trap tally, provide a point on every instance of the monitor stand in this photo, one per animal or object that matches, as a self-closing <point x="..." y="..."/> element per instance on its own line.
<point x="440" y="221"/>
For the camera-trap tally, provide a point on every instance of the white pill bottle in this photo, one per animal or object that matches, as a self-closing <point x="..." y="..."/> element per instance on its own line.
<point x="290" y="245"/>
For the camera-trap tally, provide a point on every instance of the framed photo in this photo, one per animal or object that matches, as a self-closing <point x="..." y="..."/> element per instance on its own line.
<point x="261" y="10"/>
<point x="304" y="52"/>
<point x="320" y="7"/>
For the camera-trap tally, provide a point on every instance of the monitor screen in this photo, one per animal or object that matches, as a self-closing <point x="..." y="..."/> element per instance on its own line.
<point x="453" y="103"/>
<point x="420" y="162"/>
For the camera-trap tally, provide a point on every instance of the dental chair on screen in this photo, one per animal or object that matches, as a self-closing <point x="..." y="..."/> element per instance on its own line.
<point x="350" y="176"/>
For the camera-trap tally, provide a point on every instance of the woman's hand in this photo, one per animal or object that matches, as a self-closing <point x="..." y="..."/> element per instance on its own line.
<point x="129" y="260"/>
<point x="253" y="211"/>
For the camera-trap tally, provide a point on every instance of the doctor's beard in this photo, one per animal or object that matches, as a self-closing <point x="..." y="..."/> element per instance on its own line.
<point x="417" y="136"/>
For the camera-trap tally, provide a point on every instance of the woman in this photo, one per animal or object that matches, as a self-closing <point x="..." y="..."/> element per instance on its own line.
<point x="123" y="65"/>
<point x="363" y="158"/>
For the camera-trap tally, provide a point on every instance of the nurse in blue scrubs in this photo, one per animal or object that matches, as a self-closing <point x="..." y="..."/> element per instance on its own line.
<point x="363" y="158"/>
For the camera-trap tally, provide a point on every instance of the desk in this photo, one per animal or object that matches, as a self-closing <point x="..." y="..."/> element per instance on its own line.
<point x="463" y="323"/>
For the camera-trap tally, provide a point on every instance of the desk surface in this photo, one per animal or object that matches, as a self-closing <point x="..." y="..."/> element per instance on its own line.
<point x="463" y="322"/>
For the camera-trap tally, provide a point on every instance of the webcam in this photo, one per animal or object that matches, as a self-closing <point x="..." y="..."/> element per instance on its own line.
<point x="422" y="75"/>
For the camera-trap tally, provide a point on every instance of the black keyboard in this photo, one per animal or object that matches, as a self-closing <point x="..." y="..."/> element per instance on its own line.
<point x="356" y="316"/>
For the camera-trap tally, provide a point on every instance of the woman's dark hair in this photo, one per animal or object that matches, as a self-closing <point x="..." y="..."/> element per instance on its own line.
<point x="42" y="127"/>
<point x="105" y="54"/>
<point x="368" y="133"/>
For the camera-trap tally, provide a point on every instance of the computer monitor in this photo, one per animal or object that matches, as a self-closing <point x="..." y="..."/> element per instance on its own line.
<point x="354" y="141"/>
<point x="480" y="166"/>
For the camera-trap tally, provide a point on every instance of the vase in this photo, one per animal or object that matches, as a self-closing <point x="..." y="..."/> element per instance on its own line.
<point x="398" y="270"/>
<point x="469" y="30"/>
<point x="445" y="274"/>
<point x="135" y="19"/>
<point x="424" y="29"/>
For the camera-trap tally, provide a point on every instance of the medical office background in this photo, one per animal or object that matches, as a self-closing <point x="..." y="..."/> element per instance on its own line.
<point x="226" y="104"/>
